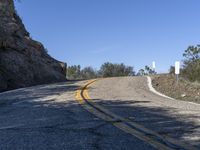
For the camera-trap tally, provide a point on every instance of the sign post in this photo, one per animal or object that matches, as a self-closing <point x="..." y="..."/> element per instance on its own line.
<point x="177" y="70"/>
<point x="154" y="66"/>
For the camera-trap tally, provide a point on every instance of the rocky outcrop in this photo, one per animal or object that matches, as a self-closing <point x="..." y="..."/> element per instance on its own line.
<point x="23" y="61"/>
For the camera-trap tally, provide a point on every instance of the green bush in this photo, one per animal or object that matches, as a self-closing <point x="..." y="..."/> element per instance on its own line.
<point x="191" y="67"/>
<point x="115" y="70"/>
<point x="88" y="73"/>
<point x="106" y="70"/>
<point x="146" y="71"/>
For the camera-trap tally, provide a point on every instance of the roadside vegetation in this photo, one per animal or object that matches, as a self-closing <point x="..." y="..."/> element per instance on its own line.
<point x="191" y="67"/>
<point x="183" y="90"/>
<point x="146" y="71"/>
<point x="188" y="86"/>
<point x="191" y="64"/>
<point x="106" y="70"/>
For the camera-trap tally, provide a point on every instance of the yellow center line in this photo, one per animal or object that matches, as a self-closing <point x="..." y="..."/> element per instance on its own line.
<point x="84" y="99"/>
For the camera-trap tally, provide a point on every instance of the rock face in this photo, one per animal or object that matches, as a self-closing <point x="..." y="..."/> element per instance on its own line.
<point x="23" y="61"/>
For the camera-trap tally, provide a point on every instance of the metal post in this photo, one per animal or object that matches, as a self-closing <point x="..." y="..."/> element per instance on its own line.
<point x="66" y="70"/>
<point x="177" y="78"/>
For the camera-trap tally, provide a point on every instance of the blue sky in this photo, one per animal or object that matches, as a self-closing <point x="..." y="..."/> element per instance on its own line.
<point x="135" y="32"/>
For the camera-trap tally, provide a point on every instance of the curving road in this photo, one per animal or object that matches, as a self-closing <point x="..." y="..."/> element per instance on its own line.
<point x="112" y="113"/>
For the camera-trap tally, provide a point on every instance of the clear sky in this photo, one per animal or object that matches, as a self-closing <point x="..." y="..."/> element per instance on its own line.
<point x="135" y="32"/>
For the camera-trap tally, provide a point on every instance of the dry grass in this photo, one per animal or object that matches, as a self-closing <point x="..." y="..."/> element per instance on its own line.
<point x="184" y="90"/>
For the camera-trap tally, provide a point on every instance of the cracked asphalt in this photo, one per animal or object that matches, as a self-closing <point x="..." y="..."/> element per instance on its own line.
<point x="49" y="117"/>
<point x="130" y="98"/>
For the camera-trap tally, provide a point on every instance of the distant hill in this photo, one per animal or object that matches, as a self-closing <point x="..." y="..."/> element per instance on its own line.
<point x="23" y="61"/>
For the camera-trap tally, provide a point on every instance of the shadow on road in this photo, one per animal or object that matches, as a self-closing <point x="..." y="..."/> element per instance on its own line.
<point x="50" y="113"/>
<point x="46" y="117"/>
<point x="37" y="92"/>
<point x="163" y="121"/>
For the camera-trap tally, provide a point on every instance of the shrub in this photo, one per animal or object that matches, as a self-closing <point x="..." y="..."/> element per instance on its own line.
<point x="191" y="67"/>
<point x="115" y="70"/>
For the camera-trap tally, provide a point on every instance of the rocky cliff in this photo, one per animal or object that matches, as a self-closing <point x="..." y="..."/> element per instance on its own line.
<point x="23" y="61"/>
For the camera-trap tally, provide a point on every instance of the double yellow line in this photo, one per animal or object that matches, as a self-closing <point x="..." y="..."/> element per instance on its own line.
<point x="130" y="127"/>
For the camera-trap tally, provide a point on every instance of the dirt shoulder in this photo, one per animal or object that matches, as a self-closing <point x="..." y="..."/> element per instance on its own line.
<point x="184" y="90"/>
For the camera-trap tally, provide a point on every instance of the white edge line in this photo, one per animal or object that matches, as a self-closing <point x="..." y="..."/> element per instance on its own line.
<point x="151" y="88"/>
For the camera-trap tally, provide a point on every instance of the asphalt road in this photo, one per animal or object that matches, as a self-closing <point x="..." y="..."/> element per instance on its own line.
<point x="112" y="113"/>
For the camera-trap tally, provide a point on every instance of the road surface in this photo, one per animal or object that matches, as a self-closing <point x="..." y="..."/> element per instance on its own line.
<point x="111" y="113"/>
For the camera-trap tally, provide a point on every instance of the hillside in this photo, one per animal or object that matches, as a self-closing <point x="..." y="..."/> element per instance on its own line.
<point x="183" y="90"/>
<point x="23" y="61"/>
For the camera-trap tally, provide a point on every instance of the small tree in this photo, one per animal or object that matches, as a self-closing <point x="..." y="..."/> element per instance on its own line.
<point x="191" y="67"/>
<point x="88" y="73"/>
<point x="141" y="72"/>
<point x="73" y="72"/>
<point x="192" y="53"/>
<point x="115" y="70"/>
<point x="146" y="71"/>
<point x="172" y="70"/>
<point x="149" y="71"/>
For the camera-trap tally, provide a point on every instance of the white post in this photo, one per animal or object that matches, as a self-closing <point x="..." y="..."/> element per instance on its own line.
<point x="177" y="70"/>
<point x="154" y="66"/>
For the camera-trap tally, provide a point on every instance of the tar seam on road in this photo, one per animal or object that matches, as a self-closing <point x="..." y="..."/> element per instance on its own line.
<point x="128" y="126"/>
